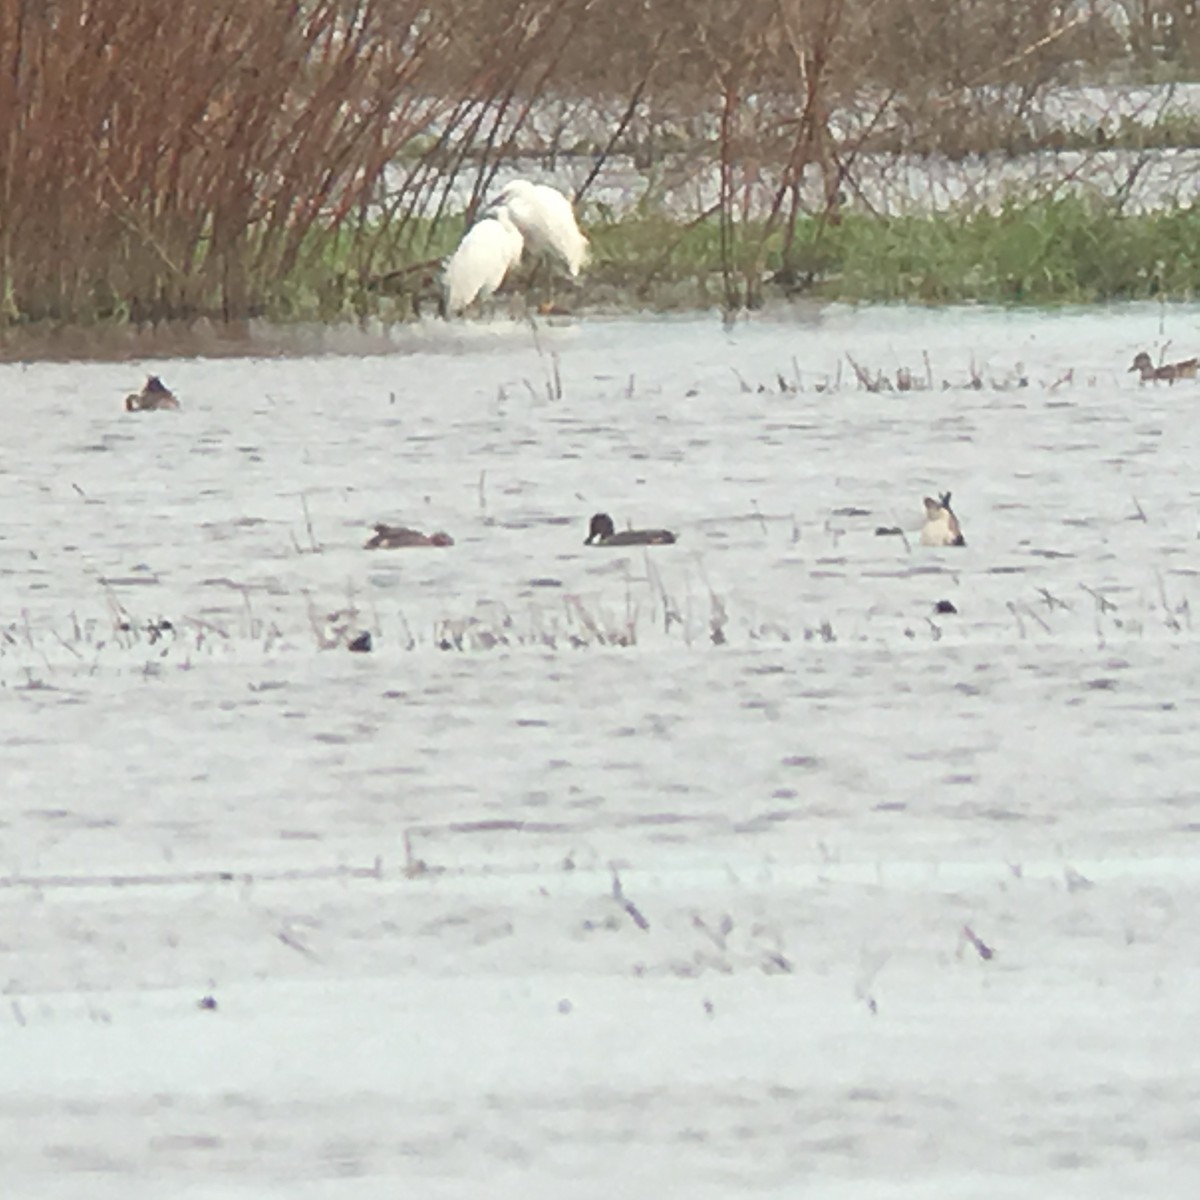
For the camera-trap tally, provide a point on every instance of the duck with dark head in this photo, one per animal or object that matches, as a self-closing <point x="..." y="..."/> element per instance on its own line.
<point x="154" y="397"/>
<point x="602" y="532"/>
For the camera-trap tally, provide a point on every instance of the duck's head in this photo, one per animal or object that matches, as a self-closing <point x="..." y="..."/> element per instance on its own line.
<point x="601" y="527"/>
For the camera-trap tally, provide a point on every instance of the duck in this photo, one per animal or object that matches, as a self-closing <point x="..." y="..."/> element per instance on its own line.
<point x="602" y="532"/>
<point x="154" y="397"/>
<point x="1144" y="365"/>
<point x="941" y="525"/>
<point x="397" y="537"/>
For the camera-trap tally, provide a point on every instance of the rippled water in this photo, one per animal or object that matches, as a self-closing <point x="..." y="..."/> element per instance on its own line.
<point x="660" y="870"/>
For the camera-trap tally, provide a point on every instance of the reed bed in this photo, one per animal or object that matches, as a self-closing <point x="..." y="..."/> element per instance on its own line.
<point x="164" y="160"/>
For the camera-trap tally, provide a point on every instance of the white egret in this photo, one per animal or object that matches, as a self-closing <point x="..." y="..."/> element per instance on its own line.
<point x="490" y="249"/>
<point x="546" y="221"/>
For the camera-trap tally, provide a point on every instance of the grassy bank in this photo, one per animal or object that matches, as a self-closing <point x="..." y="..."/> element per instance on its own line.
<point x="1044" y="252"/>
<point x="1066" y="251"/>
<point x="1039" y="252"/>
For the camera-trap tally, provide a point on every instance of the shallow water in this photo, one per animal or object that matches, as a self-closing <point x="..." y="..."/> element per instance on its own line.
<point x="647" y="868"/>
<point x="884" y="184"/>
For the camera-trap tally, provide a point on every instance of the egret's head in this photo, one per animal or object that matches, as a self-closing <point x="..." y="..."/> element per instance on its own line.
<point x="515" y="189"/>
<point x="498" y="211"/>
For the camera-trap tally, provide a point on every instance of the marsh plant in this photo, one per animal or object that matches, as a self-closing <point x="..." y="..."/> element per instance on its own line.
<point x="212" y="158"/>
<point x="174" y="159"/>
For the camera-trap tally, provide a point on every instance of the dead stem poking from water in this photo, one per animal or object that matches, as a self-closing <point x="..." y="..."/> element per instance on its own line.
<point x="762" y="521"/>
<point x="313" y="545"/>
<point x="718" y="619"/>
<point x="618" y="893"/>
<point x="668" y="607"/>
<point x="1170" y="618"/>
<point x="1036" y="616"/>
<point x="903" y="379"/>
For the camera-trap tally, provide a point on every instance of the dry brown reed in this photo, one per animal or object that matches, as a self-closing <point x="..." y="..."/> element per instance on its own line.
<point x="163" y="159"/>
<point x="809" y="86"/>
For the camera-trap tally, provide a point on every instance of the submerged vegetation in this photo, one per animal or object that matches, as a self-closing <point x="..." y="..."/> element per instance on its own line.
<point x="313" y="161"/>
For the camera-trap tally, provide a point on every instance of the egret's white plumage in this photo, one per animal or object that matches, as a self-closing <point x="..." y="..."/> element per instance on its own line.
<point x="490" y="249"/>
<point x="546" y="221"/>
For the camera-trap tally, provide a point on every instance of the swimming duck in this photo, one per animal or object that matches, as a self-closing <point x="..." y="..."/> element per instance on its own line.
<point x="601" y="532"/>
<point x="1144" y="365"/>
<point x="154" y="397"/>
<point x="396" y="537"/>
<point x="941" y="525"/>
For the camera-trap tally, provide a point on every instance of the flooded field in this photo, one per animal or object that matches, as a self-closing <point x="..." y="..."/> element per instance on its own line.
<point x="741" y="866"/>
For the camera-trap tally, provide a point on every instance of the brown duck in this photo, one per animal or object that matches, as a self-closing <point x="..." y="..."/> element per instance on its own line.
<point x="601" y="532"/>
<point x="154" y="397"/>
<point x="397" y="537"/>
<point x="1144" y="365"/>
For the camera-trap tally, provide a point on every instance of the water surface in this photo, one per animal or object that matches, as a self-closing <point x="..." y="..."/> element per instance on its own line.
<point x="654" y="866"/>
